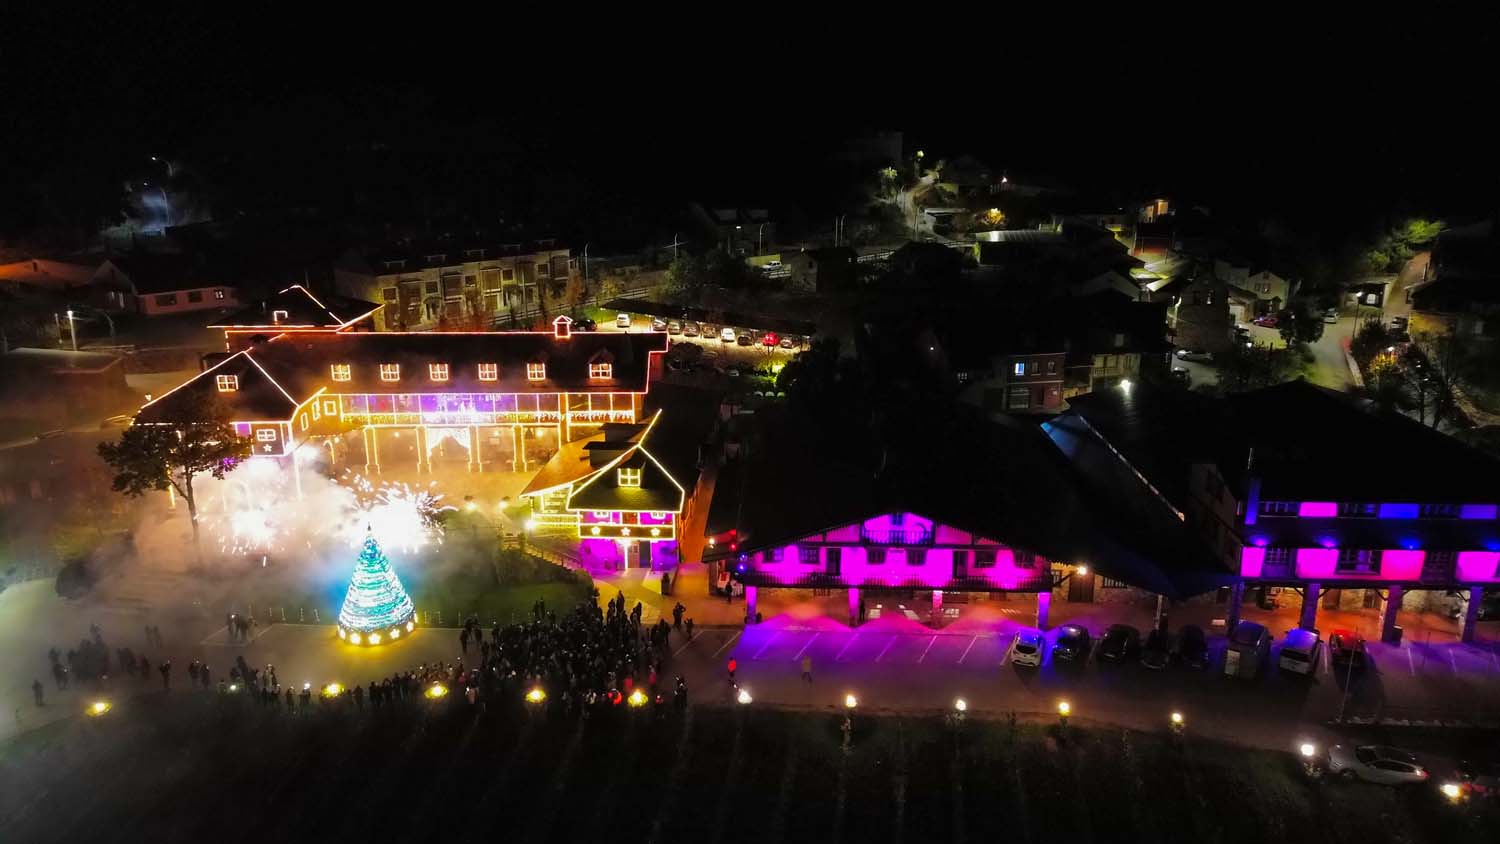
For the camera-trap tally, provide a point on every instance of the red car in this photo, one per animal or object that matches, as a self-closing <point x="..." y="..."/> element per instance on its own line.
<point x="1347" y="646"/>
<point x="769" y="338"/>
<point x="1265" y="320"/>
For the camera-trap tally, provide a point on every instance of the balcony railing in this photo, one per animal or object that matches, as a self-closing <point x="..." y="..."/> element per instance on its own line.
<point x="896" y="536"/>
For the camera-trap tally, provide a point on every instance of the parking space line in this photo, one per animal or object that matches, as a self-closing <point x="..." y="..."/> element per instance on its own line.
<point x="769" y="640"/>
<point x="1005" y="654"/>
<point x="886" y="648"/>
<point x="728" y="642"/>
<point x="1453" y="660"/>
<point x="926" y="649"/>
<point x="685" y="646"/>
<point x="1411" y="664"/>
<point x="966" y="650"/>
<point x="806" y="646"/>
<point x="840" y="656"/>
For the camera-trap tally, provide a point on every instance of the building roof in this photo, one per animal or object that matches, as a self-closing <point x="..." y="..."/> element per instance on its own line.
<point x="302" y="309"/>
<point x="296" y="366"/>
<point x="163" y="272"/>
<point x="657" y="490"/>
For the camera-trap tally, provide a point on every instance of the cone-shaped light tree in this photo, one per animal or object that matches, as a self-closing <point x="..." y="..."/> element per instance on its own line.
<point x="376" y="608"/>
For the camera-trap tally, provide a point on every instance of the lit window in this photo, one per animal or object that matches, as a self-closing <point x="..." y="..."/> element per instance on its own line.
<point x="330" y="407"/>
<point x="984" y="558"/>
<point x="602" y="515"/>
<point x="1019" y="369"/>
<point x="536" y="371"/>
<point x="227" y="383"/>
<point x="659" y="515"/>
<point x="266" y="435"/>
<point x="437" y="371"/>
<point x="219" y="294"/>
<point x="630" y="477"/>
<point x="390" y="372"/>
<point x="601" y="370"/>
<point x="277" y="317"/>
<point x="304" y="421"/>
<point x="317" y="411"/>
<point x="875" y="556"/>
<point x="340" y="371"/>
<point x="489" y="371"/>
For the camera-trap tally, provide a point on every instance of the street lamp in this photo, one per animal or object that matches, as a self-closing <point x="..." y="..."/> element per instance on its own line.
<point x="850" y="701"/>
<point x="72" y="330"/>
<point x="1064" y="709"/>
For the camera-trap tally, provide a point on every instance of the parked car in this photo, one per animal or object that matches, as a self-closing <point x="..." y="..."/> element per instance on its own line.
<point x="658" y="324"/>
<point x="769" y="338"/>
<point x="1300" y="651"/>
<point x="1249" y="649"/>
<point x="1192" y="646"/>
<point x="1347" y="648"/>
<point x="726" y="335"/>
<point x="585" y="324"/>
<point x="1480" y="778"/>
<point x="744" y="339"/>
<point x="1027" y="649"/>
<point x="788" y="343"/>
<point x="1265" y="320"/>
<point x="1377" y="764"/>
<point x="1196" y="355"/>
<point x="1072" y="643"/>
<point x="1331" y="316"/>
<point x="1182" y="376"/>
<point x="622" y="320"/>
<point x="1157" y="651"/>
<point x="1400" y="323"/>
<point x="674" y="326"/>
<point x="690" y="329"/>
<point x="1120" y="643"/>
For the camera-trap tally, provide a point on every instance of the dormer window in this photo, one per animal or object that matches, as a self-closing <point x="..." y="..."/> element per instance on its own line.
<point x="601" y="370"/>
<point x="227" y="383"/>
<point x="489" y="371"/>
<point x="437" y="371"/>
<point x="277" y="317"/>
<point x="629" y="477"/>
<point x="536" y="372"/>
<point x="340" y="371"/>
<point x="390" y="372"/>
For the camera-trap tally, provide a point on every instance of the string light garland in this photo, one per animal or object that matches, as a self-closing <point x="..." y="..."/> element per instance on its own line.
<point x="376" y="608"/>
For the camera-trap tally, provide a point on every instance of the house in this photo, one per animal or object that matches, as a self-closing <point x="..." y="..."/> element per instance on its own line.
<point x="1298" y="504"/>
<point x="155" y="284"/>
<point x="1155" y="239"/>
<point x="503" y="398"/>
<point x="293" y="310"/>
<point x="1016" y="367"/>
<point x="45" y="274"/>
<point x="1461" y="290"/>
<point x="421" y="287"/>
<point x="740" y="231"/>
<point x="821" y="270"/>
<point x="1201" y="314"/>
<point x="1254" y="290"/>
<point x="1111" y="341"/>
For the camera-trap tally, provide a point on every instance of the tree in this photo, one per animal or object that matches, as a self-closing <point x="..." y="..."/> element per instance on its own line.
<point x="1297" y="325"/>
<point x="157" y="457"/>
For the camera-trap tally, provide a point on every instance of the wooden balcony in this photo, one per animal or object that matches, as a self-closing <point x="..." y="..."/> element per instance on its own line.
<point x="896" y="536"/>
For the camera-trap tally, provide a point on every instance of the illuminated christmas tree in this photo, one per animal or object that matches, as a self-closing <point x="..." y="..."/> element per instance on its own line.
<point x="376" y="608"/>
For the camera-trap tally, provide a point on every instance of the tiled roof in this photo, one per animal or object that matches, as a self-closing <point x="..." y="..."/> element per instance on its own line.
<point x="657" y="491"/>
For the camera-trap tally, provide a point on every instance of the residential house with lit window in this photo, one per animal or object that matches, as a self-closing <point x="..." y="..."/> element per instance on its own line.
<point x="1277" y="487"/>
<point x="390" y="399"/>
<point x="424" y="287"/>
<point x="156" y="284"/>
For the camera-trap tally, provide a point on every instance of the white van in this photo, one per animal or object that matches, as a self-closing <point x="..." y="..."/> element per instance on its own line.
<point x="1300" y="651"/>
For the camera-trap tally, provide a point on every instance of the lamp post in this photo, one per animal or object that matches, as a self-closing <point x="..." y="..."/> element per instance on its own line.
<point x="72" y="330"/>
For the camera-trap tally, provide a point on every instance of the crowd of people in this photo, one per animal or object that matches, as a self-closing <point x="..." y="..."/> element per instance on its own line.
<point x="591" y="658"/>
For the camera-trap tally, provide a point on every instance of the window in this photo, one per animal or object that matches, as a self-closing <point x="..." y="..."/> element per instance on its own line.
<point x="1111" y="583"/>
<point x="1018" y="398"/>
<point x="303" y="421"/>
<point x="916" y="556"/>
<point x="389" y="294"/>
<point x="984" y="558"/>
<point x="227" y="383"/>
<point x="536" y="371"/>
<point x="542" y="270"/>
<point x="1278" y="557"/>
<point x="1278" y="508"/>
<point x="219" y="293"/>
<point x="1024" y="559"/>
<point x="771" y="555"/>
<point x="489" y="371"/>
<point x="437" y="371"/>
<point x="166" y="300"/>
<point x="390" y="372"/>
<point x="317" y="410"/>
<point x="266" y="435"/>
<point x="1439" y="511"/>
<point x="875" y="556"/>
<point x="898" y="519"/>
<point x="963" y="377"/>
<point x="508" y="275"/>
<point x="601" y="370"/>
<point x="807" y="555"/>
<point x="1119" y="339"/>
<point x="1051" y="367"/>
<point x="1353" y="560"/>
<point x="340" y="371"/>
<point x="1355" y="509"/>
<point x="195" y="295"/>
<point x="1019" y="368"/>
<point x="630" y="477"/>
<point x="330" y="407"/>
<point x="278" y="316"/>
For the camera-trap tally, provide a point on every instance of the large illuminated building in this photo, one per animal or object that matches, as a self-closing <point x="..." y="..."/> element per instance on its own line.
<point x="309" y="371"/>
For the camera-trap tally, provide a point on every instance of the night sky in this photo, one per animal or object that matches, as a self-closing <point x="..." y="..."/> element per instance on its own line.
<point x="384" y="117"/>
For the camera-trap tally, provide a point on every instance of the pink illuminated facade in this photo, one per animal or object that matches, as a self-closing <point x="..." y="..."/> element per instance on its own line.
<point x="894" y="551"/>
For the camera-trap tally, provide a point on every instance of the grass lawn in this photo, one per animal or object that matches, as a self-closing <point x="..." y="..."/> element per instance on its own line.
<point x="197" y="767"/>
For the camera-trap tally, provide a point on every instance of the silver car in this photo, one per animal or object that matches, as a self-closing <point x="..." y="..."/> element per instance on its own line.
<point x="1377" y="764"/>
<point x="1028" y="648"/>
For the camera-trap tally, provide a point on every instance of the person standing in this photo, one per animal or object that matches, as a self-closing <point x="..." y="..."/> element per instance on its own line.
<point x="166" y="675"/>
<point x="36" y="691"/>
<point x="203" y="675"/>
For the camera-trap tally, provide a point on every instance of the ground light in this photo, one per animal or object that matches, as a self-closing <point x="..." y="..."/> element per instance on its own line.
<point x="234" y="687"/>
<point x="1308" y="750"/>
<point x="743" y="697"/>
<point x="850" y="701"/>
<point x="1451" y="790"/>
<point x="961" y="705"/>
<point x="637" y="698"/>
<point x="435" y="691"/>
<point x="332" y="690"/>
<point x="98" y="708"/>
<point x="536" y="695"/>
<point x="1177" y="718"/>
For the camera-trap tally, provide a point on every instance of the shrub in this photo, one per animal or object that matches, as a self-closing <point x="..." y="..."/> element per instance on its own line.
<point x="75" y="578"/>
